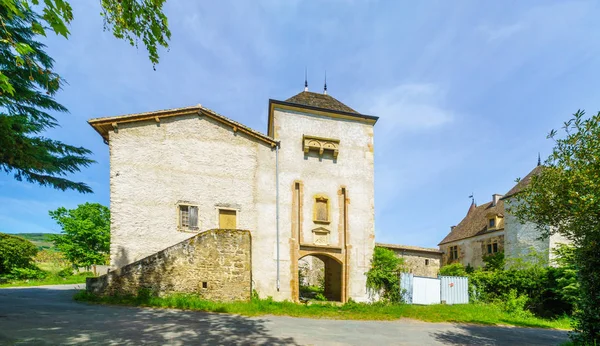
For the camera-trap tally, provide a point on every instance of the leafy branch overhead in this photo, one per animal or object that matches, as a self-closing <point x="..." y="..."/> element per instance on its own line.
<point x="131" y="20"/>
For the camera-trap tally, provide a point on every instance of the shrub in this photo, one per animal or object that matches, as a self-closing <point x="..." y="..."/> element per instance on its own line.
<point x="65" y="272"/>
<point x="15" y="252"/>
<point x="454" y="269"/>
<point x="31" y="273"/>
<point x="515" y="304"/>
<point x="384" y="275"/>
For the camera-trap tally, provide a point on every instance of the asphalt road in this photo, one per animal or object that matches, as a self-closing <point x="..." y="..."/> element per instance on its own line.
<point x="49" y="316"/>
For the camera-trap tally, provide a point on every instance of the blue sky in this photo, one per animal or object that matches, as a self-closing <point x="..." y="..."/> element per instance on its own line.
<point x="466" y="91"/>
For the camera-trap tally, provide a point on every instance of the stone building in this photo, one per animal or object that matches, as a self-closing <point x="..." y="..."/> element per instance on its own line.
<point x="306" y="187"/>
<point x="420" y="261"/>
<point x="488" y="229"/>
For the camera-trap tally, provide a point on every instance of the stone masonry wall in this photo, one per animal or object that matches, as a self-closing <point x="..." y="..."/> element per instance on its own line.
<point x="215" y="265"/>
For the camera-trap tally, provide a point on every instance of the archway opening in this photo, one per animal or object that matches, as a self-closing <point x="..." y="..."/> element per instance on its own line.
<point x="319" y="278"/>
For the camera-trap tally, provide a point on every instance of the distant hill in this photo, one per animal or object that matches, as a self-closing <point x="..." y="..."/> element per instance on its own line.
<point x="41" y="240"/>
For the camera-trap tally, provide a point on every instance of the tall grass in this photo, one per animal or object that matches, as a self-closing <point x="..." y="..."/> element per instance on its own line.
<point x="489" y="314"/>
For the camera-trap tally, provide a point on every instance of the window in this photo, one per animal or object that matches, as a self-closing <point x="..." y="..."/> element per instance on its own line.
<point x="492" y="248"/>
<point x="492" y="223"/>
<point x="321" y="209"/>
<point x="426" y="262"/>
<point x="188" y="217"/>
<point x="454" y="252"/>
<point x="227" y="219"/>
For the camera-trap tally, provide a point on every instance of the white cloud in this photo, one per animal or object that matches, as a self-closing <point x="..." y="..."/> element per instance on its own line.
<point x="410" y="107"/>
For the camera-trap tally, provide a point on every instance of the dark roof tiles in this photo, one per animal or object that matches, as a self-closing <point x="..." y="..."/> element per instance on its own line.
<point x="324" y="101"/>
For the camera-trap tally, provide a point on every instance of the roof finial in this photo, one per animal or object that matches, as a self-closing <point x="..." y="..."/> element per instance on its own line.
<point x="539" y="159"/>
<point x="325" y="88"/>
<point x="305" y="79"/>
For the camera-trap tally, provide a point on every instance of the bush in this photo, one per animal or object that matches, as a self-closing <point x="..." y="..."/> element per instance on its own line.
<point x="515" y="304"/>
<point x="31" y="273"/>
<point x="15" y="252"/>
<point x="65" y="272"/>
<point x="454" y="269"/>
<point x="384" y="276"/>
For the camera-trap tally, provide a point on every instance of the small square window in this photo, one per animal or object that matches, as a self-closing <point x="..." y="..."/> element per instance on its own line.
<point x="492" y="223"/>
<point x="204" y="284"/>
<point x="426" y="262"/>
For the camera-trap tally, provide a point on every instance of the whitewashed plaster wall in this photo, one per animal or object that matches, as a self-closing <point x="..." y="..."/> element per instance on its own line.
<point x="353" y="169"/>
<point x="197" y="160"/>
<point x="523" y="241"/>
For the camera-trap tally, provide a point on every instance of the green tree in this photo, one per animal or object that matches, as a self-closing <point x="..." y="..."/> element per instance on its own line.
<point x="565" y="198"/>
<point x="384" y="275"/>
<point x="85" y="238"/>
<point x="15" y="252"/>
<point x="28" y="84"/>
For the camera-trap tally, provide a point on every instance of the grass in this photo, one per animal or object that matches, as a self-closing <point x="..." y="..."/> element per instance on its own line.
<point x="469" y="313"/>
<point x="51" y="279"/>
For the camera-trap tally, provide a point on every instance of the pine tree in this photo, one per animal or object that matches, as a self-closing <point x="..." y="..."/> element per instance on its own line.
<point x="24" y="113"/>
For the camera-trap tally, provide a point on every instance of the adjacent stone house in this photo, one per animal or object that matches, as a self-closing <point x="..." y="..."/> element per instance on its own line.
<point x="420" y="261"/>
<point x="488" y="229"/>
<point x="306" y="187"/>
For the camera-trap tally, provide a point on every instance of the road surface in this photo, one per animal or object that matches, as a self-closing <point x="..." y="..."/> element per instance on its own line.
<point x="49" y="316"/>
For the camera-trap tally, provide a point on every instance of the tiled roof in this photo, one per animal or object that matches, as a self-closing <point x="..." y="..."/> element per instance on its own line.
<point x="408" y="247"/>
<point x="317" y="100"/>
<point x="475" y="223"/>
<point x="105" y="124"/>
<point x="523" y="182"/>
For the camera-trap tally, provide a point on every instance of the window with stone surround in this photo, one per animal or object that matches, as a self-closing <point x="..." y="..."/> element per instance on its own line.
<point x="453" y="252"/>
<point x="321" y="209"/>
<point x="188" y="217"/>
<point x="492" y="248"/>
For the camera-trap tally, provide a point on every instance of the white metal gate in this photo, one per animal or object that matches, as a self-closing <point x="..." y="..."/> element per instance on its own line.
<point x="426" y="291"/>
<point x="422" y="290"/>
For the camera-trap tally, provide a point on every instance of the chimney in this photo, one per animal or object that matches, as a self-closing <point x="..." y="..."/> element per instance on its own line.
<point x="495" y="198"/>
<point x="452" y="228"/>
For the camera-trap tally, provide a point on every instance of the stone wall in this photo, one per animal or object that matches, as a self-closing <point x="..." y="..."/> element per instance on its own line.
<point x="472" y="250"/>
<point x="421" y="263"/>
<point x="215" y="265"/>
<point x="325" y="176"/>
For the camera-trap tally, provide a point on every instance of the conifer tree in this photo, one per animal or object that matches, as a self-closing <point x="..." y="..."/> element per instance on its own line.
<point x="25" y="112"/>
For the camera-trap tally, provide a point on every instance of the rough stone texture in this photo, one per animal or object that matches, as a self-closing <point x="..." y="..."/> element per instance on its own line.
<point x="197" y="160"/>
<point x="472" y="250"/>
<point x="414" y="261"/>
<point x="325" y="176"/>
<point x="216" y="265"/>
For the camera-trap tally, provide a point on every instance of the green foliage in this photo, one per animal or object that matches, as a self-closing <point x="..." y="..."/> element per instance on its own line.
<point x="490" y="314"/>
<point x="85" y="240"/>
<point x="454" y="269"/>
<point x="15" y="252"/>
<point x="131" y="20"/>
<point x="319" y="296"/>
<point x="65" y="272"/>
<point x="29" y="273"/>
<point x="494" y="261"/>
<point x="565" y="198"/>
<point x="384" y="275"/>
<point x="24" y="112"/>
<point x="515" y="304"/>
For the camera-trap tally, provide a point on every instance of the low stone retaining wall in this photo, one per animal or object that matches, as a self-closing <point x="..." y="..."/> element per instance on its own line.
<point x="215" y="265"/>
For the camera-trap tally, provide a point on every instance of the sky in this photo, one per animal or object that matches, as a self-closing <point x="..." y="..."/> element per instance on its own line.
<point x="466" y="91"/>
